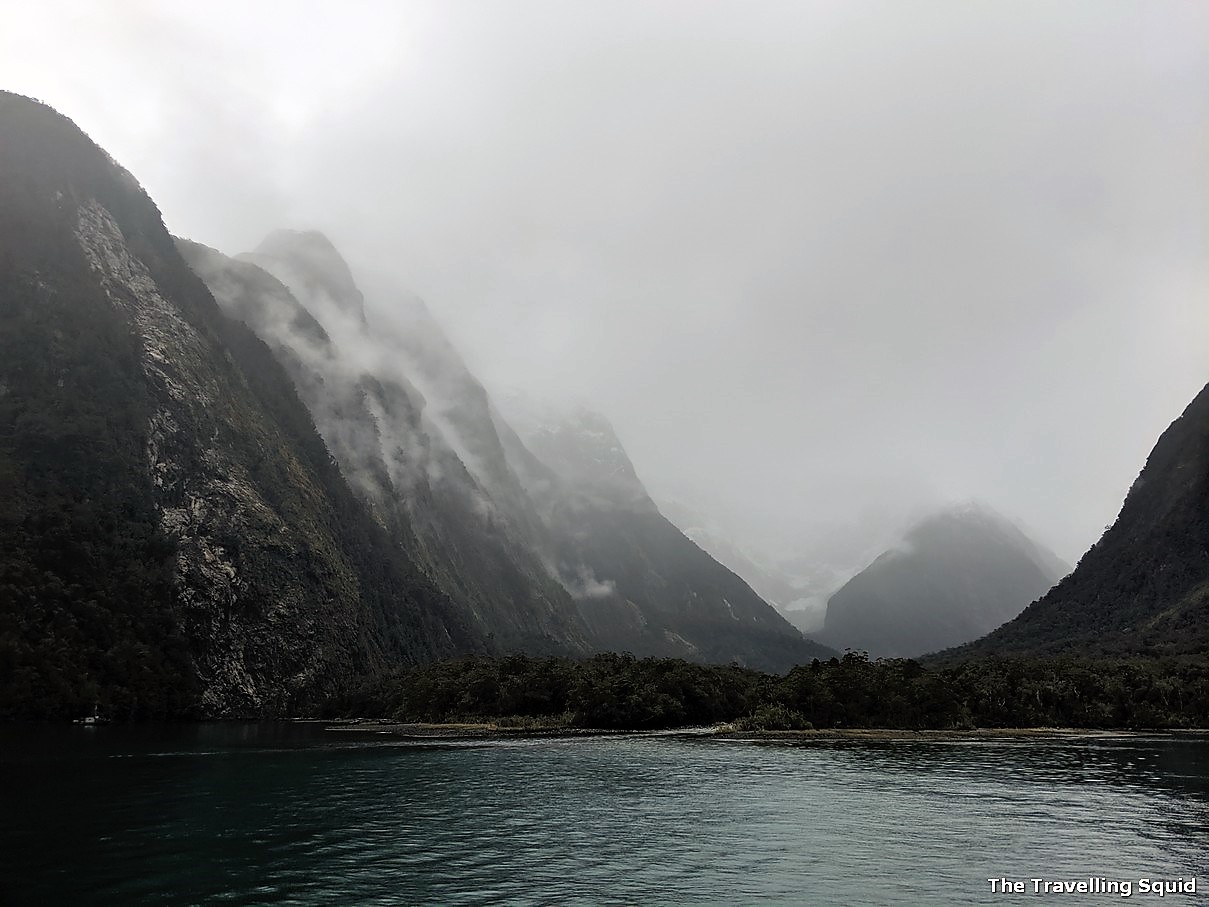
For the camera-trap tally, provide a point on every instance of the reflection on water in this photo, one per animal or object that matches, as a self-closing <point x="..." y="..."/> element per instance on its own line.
<point x="287" y="813"/>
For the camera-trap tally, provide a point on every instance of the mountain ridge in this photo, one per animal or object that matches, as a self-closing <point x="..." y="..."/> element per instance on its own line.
<point x="565" y="496"/>
<point x="689" y="602"/>
<point x="1143" y="587"/>
<point x="174" y="536"/>
<point x="956" y="575"/>
<point x="375" y="425"/>
<point x="232" y="507"/>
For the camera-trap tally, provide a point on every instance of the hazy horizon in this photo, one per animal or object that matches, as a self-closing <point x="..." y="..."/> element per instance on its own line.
<point x="821" y="265"/>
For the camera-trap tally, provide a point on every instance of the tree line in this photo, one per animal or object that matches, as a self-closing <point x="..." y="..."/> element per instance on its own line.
<point x="619" y="691"/>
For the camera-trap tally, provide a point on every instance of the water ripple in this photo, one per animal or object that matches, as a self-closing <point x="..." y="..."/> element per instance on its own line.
<point x="288" y="815"/>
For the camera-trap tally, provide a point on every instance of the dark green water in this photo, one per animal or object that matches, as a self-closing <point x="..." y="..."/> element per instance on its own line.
<point x="288" y="814"/>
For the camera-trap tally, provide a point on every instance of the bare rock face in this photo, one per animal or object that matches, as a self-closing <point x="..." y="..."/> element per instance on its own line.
<point x="233" y="507"/>
<point x="177" y="539"/>
<point x="549" y="544"/>
<point x="429" y="466"/>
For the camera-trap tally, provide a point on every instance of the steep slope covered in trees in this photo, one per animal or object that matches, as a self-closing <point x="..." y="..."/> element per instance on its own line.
<point x="209" y="512"/>
<point x="1144" y="586"/>
<point x="173" y="535"/>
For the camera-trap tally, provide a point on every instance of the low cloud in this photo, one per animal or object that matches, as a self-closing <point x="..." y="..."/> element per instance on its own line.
<point x="815" y="260"/>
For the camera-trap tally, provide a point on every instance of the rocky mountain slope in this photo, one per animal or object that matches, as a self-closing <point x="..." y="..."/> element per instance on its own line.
<point x="797" y="564"/>
<point x="227" y="485"/>
<point x="768" y="581"/>
<point x="955" y="576"/>
<point x="526" y="533"/>
<point x="1144" y="586"/>
<point x="641" y="583"/>
<point x="418" y="459"/>
<point x="174" y="537"/>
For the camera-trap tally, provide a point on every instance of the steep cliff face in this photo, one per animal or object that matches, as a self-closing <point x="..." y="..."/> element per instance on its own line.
<point x="550" y="543"/>
<point x="1144" y="587"/>
<point x="174" y="535"/>
<point x="428" y="465"/>
<point x="955" y="576"/>
<point x="230" y="509"/>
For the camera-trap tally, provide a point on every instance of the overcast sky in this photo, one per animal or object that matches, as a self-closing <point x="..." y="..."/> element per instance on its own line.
<point x="814" y="259"/>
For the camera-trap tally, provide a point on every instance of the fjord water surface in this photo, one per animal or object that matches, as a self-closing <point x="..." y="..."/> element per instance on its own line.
<point x="287" y="813"/>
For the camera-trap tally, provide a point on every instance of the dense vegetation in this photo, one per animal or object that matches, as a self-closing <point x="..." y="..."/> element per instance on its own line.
<point x="176" y="540"/>
<point x="269" y="581"/>
<point x="1144" y="586"/>
<point x="620" y="691"/>
<point x="86" y="575"/>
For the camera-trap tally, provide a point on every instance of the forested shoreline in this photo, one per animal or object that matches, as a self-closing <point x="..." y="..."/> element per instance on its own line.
<point x="614" y="691"/>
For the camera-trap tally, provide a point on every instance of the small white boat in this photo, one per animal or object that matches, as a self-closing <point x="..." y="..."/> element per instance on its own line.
<point x="93" y="719"/>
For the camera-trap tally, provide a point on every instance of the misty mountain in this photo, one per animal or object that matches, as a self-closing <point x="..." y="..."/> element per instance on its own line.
<point x="174" y="536"/>
<point x="641" y="583"/>
<point x="796" y="565"/>
<point x="1144" y="586"/>
<point x="427" y="463"/>
<point x="770" y="582"/>
<point x="230" y="507"/>
<point x="955" y="576"/>
<point x="799" y="591"/>
<point x="527" y="535"/>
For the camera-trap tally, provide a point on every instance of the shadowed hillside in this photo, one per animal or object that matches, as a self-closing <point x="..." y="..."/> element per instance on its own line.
<point x="954" y="577"/>
<point x="1144" y="586"/>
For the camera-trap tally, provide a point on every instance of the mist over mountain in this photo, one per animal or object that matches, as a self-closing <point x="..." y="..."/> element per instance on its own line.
<point x="767" y="579"/>
<point x="431" y="475"/>
<point x="226" y="495"/>
<point x="906" y="317"/>
<point x="174" y="536"/>
<point x="230" y="508"/>
<point x="640" y="581"/>
<point x="558" y="452"/>
<point x="1144" y="586"/>
<point x="795" y="565"/>
<point x="547" y="541"/>
<point x="954" y="576"/>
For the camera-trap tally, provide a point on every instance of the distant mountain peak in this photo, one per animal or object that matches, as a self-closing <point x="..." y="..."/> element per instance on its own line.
<point x="955" y="575"/>
<point x="229" y="569"/>
<point x="309" y="264"/>
<point x="221" y="494"/>
<point x="580" y="445"/>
